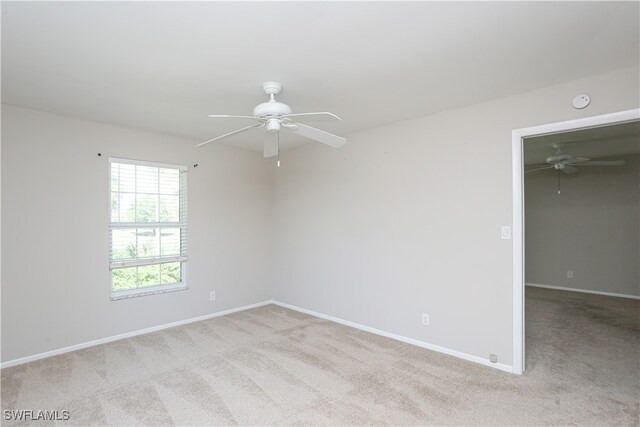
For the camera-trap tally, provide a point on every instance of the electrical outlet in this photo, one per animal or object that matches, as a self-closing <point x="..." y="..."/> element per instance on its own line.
<point x="493" y="358"/>
<point x="425" y="319"/>
<point x="212" y="296"/>
<point x="569" y="274"/>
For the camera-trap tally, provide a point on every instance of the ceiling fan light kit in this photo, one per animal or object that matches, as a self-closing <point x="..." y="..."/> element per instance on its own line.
<point x="275" y="116"/>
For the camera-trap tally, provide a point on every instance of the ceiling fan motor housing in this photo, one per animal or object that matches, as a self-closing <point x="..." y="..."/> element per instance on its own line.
<point x="557" y="158"/>
<point x="271" y="108"/>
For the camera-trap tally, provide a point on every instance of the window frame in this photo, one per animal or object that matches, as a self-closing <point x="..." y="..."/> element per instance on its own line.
<point x="181" y="224"/>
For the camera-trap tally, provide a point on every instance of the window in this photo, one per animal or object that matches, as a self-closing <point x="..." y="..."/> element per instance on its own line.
<point x="148" y="228"/>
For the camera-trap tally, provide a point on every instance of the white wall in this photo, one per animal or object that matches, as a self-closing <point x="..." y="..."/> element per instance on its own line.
<point x="55" y="275"/>
<point x="405" y="219"/>
<point x="591" y="228"/>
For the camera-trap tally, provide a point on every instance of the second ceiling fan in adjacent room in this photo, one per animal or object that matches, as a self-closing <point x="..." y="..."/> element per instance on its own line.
<point x="568" y="163"/>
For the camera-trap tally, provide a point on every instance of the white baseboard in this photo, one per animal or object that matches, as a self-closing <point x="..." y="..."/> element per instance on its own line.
<point x="127" y="335"/>
<point x="584" y="291"/>
<point x="365" y="328"/>
<point x="439" y="349"/>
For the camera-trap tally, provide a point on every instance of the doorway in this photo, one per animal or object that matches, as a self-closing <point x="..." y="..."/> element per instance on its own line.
<point x="519" y="136"/>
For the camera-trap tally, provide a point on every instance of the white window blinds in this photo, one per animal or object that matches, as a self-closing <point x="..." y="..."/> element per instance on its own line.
<point x="148" y="227"/>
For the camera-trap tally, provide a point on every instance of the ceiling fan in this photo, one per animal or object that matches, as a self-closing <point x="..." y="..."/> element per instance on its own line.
<point x="274" y="116"/>
<point x="569" y="164"/>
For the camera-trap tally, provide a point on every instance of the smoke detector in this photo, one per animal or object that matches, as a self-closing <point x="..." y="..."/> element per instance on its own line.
<point x="581" y="101"/>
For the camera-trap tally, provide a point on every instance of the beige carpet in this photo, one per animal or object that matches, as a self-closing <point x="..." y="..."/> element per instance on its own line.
<point x="272" y="366"/>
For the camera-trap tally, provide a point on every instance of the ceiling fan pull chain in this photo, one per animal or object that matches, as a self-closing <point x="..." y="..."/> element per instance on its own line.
<point x="278" y="149"/>
<point x="558" y="175"/>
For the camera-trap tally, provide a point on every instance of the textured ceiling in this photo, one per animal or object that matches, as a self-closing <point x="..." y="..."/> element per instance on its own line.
<point x="164" y="66"/>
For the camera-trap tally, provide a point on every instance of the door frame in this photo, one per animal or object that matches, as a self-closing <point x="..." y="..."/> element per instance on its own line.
<point x="517" y="138"/>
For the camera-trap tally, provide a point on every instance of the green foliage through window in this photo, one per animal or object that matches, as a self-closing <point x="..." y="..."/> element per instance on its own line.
<point x="148" y="225"/>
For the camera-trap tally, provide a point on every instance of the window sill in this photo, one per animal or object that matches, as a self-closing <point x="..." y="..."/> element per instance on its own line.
<point x="153" y="290"/>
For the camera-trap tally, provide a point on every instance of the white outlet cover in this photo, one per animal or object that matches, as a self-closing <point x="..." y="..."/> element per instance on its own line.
<point x="425" y="319"/>
<point x="505" y="232"/>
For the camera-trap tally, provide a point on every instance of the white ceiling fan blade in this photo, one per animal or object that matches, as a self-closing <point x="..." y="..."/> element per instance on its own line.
<point x="321" y="116"/>
<point x="228" y="116"/>
<point x="569" y="169"/>
<point x="539" y="169"/>
<point x="604" y="163"/>
<point x="575" y="160"/>
<point x="230" y="133"/>
<point x="539" y="165"/>
<point x="318" y="135"/>
<point x="271" y="144"/>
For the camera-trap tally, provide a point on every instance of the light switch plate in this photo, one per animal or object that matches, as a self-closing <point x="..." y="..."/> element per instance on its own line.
<point x="505" y="234"/>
